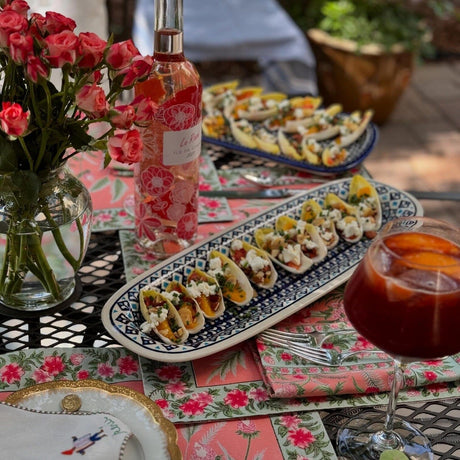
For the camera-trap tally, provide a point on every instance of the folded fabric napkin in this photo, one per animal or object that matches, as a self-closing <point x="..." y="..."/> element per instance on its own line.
<point x="288" y="376"/>
<point x="28" y="434"/>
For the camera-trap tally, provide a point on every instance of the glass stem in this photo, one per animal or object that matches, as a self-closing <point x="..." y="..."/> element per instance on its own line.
<point x="393" y="396"/>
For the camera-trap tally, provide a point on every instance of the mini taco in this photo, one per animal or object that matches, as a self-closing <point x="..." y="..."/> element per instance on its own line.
<point x="243" y="132"/>
<point x="322" y="125"/>
<point x="206" y="291"/>
<point x="255" y="263"/>
<point x="161" y="317"/>
<point x="266" y="141"/>
<point x="286" y="254"/>
<point x="290" y="148"/>
<point x="312" y="213"/>
<point x="364" y="197"/>
<point x="345" y="218"/>
<point x="259" y="108"/>
<point x="292" y="113"/>
<point x="311" y="150"/>
<point x="233" y="282"/>
<point x="303" y="233"/>
<point x="187" y="307"/>
<point x="215" y="126"/>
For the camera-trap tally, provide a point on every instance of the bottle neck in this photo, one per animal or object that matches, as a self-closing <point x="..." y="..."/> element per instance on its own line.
<point x="168" y="36"/>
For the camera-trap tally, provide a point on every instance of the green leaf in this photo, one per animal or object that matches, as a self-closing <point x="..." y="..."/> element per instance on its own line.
<point x="118" y="189"/>
<point x="100" y="184"/>
<point x="8" y="156"/>
<point x="79" y="138"/>
<point x="29" y="184"/>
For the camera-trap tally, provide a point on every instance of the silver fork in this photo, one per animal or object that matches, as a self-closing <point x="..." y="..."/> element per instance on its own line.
<point x="323" y="356"/>
<point x="314" y="338"/>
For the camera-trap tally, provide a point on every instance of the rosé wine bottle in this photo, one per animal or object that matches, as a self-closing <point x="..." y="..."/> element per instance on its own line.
<point x="166" y="178"/>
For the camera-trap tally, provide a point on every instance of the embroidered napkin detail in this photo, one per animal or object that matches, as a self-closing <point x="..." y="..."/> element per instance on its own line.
<point x="288" y="376"/>
<point x="28" y="434"/>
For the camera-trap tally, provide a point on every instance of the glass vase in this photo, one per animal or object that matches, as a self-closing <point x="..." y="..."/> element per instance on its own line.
<point x="45" y="226"/>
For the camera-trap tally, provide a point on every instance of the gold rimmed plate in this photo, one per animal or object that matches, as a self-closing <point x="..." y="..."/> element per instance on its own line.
<point x="155" y="435"/>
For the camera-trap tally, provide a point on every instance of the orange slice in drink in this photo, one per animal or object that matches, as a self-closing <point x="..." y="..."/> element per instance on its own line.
<point x="428" y="260"/>
<point x="409" y="242"/>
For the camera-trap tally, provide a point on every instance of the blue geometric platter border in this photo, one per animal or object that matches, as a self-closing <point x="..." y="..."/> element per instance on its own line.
<point x="121" y="316"/>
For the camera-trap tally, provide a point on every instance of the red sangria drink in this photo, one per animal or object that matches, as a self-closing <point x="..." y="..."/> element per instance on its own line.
<point x="404" y="297"/>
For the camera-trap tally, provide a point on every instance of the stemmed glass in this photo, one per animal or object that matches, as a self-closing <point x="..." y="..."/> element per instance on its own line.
<point x="404" y="297"/>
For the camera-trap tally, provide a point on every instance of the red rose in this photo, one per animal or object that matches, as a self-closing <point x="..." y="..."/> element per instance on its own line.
<point x="90" y="49"/>
<point x="62" y="48"/>
<point x="10" y="22"/>
<point x="36" y="68"/>
<point x="21" y="46"/>
<point x="122" y="116"/>
<point x="20" y="6"/>
<point x="14" y="120"/>
<point x="121" y="54"/>
<point x="138" y="70"/>
<point x="145" y="109"/>
<point x="91" y="99"/>
<point x="57" y="23"/>
<point x="126" y="147"/>
<point x="37" y="26"/>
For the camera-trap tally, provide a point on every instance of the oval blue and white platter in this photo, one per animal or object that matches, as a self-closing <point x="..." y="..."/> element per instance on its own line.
<point x="121" y="314"/>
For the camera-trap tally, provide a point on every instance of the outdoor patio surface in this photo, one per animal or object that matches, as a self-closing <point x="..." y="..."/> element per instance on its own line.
<point x="418" y="147"/>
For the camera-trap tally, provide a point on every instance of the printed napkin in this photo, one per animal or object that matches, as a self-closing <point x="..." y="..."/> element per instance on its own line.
<point x="288" y="376"/>
<point x="28" y="434"/>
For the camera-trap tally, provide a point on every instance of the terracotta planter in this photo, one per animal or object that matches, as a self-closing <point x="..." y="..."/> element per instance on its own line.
<point x="360" y="79"/>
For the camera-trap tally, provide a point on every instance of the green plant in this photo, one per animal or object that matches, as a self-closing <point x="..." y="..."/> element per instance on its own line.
<point x="385" y="22"/>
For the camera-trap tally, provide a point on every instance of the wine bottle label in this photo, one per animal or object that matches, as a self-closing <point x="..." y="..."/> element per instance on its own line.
<point x="182" y="146"/>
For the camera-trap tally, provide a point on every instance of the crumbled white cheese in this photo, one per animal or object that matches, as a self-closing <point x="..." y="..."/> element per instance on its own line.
<point x="313" y="146"/>
<point x="146" y="327"/>
<point x="300" y="227"/>
<point x="256" y="262"/>
<point x="349" y="228"/>
<point x="368" y="223"/>
<point x="291" y="253"/>
<point x="202" y="288"/>
<point x="298" y="113"/>
<point x="215" y="267"/>
<point x="172" y="296"/>
<point x="310" y="244"/>
<point x="334" y="214"/>
<point x="236" y="245"/>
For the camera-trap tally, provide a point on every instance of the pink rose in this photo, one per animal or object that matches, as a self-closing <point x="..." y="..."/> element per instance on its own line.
<point x="122" y="116"/>
<point x="57" y="23"/>
<point x="10" y="22"/>
<point x="145" y="109"/>
<point x="121" y="54"/>
<point x="90" y="49"/>
<point x="14" y="121"/>
<point x="91" y="99"/>
<point x="126" y="147"/>
<point x="36" y="68"/>
<point x="138" y="70"/>
<point x="62" y="48"/>
<point x="21" y="46"/>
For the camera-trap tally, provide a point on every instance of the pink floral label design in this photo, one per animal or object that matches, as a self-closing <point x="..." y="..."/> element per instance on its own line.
<point x="177" y="117"/>
<point x="156" y="180"/>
